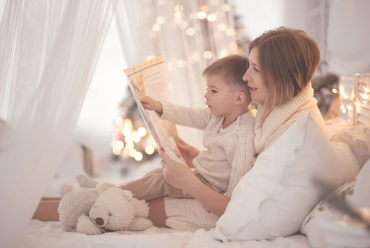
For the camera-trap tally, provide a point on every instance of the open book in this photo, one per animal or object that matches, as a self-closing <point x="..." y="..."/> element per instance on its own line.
<point x="150" y="78"/>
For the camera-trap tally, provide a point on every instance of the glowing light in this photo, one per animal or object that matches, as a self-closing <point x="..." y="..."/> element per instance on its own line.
<point x="149" y="149"/>
<point x="202" y="15"/>
<point x="116" y="151"/>
<point x="211" y="18"/>
<point x="190" y="31"/>
<point x="222" y="26"/>
<point x="141" y="131"/>
<point x="132" y="153"/>
<point x="118" y="145"/>
<point x="335" y="91"/>
<point x="156" y="27"/>
<point x="161" y="19"/>
<point x="130" y="145"/>
<point x="224" y="53"/>
<point x="127" y="123"/>
<point x="136" y="137"/>
<point x="118" y="121"/>
<point x="230" y="32"/>
<point x="207" y="54"/>
<point x="126" y="131"/>
<point x="178" y="16"/>
<point x="204" y="8"/>
<point x="138" y="156"/>
<point x="225" y="7"/>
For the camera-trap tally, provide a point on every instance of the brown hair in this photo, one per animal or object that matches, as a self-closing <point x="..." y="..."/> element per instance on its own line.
<point x="232" y="68"/>
<point x="288" y="59"/>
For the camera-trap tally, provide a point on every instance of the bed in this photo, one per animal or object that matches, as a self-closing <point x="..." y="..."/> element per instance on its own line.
<point x="51" y="234"/>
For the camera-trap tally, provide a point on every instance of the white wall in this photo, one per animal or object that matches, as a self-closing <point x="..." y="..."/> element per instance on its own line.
<point x="341" y="28"/>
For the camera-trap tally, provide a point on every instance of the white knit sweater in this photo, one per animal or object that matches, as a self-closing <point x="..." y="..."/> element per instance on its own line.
<point x="229" y="151"/>
<point x="268" y="129"/>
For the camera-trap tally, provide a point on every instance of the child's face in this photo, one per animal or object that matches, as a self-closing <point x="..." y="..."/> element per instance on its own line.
<point x="253" y="76"/>
<point x="219" y="95"/>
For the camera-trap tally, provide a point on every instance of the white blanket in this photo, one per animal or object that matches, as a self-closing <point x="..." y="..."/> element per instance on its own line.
<point x="51" y="234"/>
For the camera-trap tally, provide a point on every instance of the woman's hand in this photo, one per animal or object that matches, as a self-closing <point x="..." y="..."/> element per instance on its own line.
<point x="177" y="174"/>
<point x="151" y="104"/>
<point x="188" y="152"/>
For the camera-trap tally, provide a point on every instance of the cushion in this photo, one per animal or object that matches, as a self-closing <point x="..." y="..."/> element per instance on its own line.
<point x="355" y="193"/>
<point x="358" y="139"/>
<point x="277" y="194"/>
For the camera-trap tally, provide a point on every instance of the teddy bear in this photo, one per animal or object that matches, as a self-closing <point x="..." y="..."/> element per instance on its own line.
<point x="100" y="209"/>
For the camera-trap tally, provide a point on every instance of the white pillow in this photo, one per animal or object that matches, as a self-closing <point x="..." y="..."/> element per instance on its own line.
<point x="276" y="195"/>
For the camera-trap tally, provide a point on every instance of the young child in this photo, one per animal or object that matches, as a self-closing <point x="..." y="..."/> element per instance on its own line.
<point x="228" y="132"/>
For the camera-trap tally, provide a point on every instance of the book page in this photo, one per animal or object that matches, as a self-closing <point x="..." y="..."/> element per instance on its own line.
<point x="150" y="78"/>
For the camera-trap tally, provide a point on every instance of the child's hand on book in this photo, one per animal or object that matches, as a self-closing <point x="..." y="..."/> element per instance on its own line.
<point x="150" y="104"/>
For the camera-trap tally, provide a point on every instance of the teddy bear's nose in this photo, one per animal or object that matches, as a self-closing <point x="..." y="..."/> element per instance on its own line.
<point x="99" y="221"/>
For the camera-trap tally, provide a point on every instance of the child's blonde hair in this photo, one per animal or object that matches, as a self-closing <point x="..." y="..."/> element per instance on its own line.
<point x="232" y="68"/>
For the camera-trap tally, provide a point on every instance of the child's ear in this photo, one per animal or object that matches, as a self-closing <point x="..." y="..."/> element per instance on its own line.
<point x="240" y="97"/>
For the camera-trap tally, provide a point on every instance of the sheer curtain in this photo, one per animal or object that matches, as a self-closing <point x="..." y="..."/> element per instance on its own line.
<point x="48" y="53"/>
<point x="189" y="34"/>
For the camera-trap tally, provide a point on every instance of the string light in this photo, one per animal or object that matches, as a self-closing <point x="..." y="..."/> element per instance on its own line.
<point x="207" y="54"/>
<point x="354" y="98"/>
<point x="225" y="7"/>
<point x="190" y="31"/>
<point x="202" y="15"/>
<point x="211" y="18"/>
<point x="161" y="19"/>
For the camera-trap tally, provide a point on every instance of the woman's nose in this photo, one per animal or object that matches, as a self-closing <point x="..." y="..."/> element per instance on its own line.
<point x="245" y="76"/>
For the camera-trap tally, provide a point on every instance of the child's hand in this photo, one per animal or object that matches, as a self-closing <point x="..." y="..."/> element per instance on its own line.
<point x="150" y="104"/>
<point x="188" y="152"/>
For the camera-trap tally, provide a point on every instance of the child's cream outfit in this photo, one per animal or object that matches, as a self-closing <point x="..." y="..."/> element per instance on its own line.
<point x="228" y="155"/>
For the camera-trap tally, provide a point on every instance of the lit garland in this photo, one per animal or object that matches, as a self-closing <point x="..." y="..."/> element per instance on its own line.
<point x="354" y="94"/>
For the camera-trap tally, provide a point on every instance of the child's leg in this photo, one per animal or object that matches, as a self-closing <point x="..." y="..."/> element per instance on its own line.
<point x="47" y="210"/>
<point x="153" y="186"/>
<point x="149" y="187"/>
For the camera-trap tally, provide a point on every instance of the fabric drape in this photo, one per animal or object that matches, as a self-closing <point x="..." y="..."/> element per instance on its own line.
<point x="48" y="53"/>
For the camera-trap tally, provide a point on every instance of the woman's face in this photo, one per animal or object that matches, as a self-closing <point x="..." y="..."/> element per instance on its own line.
<point x="253" y="76"/>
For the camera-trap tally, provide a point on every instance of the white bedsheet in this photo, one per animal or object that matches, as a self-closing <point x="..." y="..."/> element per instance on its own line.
<point x="51" y="234"/>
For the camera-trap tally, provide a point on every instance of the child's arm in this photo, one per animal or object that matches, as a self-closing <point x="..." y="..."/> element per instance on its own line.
<point x="150" y="104"/>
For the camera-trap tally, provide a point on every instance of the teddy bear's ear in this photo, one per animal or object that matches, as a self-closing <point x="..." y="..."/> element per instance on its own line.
<point x="64" y="189"/>
<point x="103" y="187"/>
<point x="127" y="194"/>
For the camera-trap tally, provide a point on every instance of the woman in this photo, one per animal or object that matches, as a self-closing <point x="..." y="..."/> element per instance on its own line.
<point x="282" y="63"/>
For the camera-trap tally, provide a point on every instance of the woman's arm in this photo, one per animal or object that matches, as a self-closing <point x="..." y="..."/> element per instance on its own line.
<point x="180" y="176"/>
